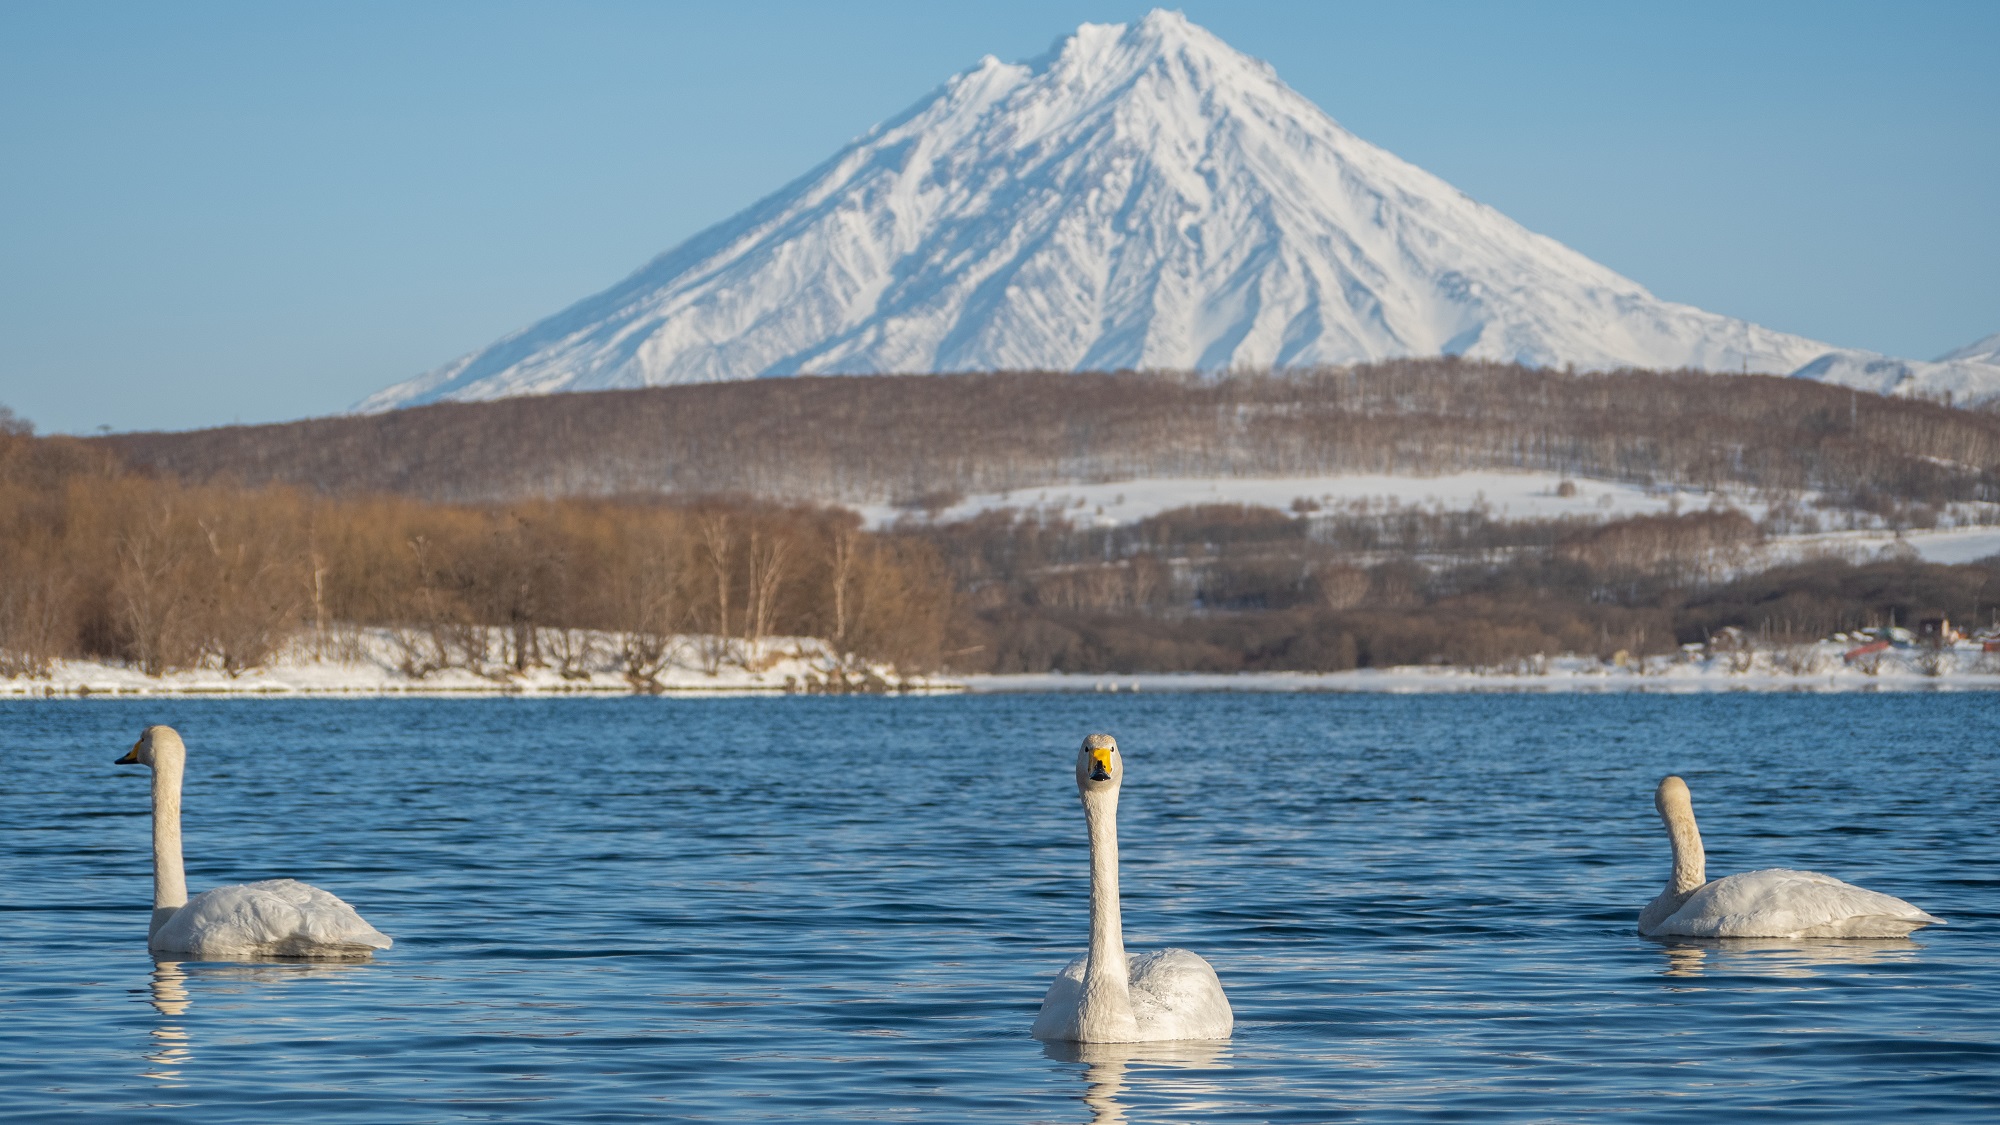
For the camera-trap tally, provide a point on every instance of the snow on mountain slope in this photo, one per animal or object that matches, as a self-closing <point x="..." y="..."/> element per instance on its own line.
<point x="1143" y="196"/>
<point x="1964" y="377"/>
<point x="1986" y="350"/>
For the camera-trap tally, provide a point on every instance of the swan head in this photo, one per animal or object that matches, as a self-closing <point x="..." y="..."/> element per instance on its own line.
<point x="1672" y="798"/>
<point x="1098" y="765"/>
<point x="154" y="743"/>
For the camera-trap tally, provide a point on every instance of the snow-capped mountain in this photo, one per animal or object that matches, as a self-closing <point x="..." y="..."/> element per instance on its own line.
<point x="1985" y="350"/>
<point x="1965" y="376"/>
<point x="1143" y="196"/>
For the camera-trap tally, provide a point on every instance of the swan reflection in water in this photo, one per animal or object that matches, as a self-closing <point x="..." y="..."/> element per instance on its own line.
<point x="1780" y="957"/>
<point x="1111" y="1067"/>
<point x="172" y="1047"/>
<point x="169" y="1049"/>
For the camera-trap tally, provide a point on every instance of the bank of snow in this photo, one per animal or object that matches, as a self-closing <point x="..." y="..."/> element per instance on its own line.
<point x="375" y="665"/>
<point x="374" y="662"/>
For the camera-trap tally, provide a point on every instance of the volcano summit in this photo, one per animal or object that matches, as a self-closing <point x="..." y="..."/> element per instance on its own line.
<point x="1143" y="196"/>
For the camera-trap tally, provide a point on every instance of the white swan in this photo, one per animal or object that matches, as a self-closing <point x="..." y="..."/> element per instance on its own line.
<point x="1776" y="903"/>
<point x="274" y="918"/>
<point x="1104" y="997"/>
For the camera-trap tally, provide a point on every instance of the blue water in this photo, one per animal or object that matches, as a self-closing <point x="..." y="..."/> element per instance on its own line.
<point x="847" y="909"/>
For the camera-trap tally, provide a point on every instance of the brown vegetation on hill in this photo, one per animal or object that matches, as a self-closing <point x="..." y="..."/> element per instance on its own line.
<point x="1223" y="588"/>
<point x="96" y="561"/>
<point x="542" y="516"/>
<point x="874" y="438"/>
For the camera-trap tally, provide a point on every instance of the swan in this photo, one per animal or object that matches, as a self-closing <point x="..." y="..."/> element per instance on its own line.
<point x="1102" y="996"/>
<point x="1775" y="903"/>
<point x="273" y="918"/>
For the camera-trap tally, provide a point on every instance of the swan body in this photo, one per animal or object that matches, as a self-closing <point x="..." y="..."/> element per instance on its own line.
<point x="1174" y="994"/>
<point x="251" y="921"/>
<point x="272" y="918"/>
<point x="1774" y="903"/>
<point x="1105" y="996"/>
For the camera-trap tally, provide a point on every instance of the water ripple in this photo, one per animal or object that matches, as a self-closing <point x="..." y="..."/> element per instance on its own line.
<point x="847" y="909"/>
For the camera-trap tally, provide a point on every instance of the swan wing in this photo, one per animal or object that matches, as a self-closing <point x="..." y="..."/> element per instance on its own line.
<point x="1061" y="1006"/>
<point x="1176" y="995"/>
<point x="1786" y="904"/>
<point x="273" y="918"/>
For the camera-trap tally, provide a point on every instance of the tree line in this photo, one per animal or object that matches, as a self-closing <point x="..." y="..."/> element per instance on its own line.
<point x="99" y="561"/>
<point x="1223" y="588"/>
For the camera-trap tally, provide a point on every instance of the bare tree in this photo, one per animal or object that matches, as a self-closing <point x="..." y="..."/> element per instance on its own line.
<point x="715" y="544"/>
<point x="839" y="576"/>
<point x="153" y="593"/>
<point x="766" y="557"/>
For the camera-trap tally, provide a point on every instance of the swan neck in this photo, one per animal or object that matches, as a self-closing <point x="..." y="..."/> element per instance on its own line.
<point x="1690" y="863"/>
<point x="1106" y="1008"/>
<point x="1107" y="930"/>
<point x="169" y="880"/>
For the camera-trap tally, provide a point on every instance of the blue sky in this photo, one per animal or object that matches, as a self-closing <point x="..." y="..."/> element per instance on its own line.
<point x="219" y="212"/>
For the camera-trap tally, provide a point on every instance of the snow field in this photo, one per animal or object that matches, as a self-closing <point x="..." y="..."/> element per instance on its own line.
<point x="1504" y="495"/>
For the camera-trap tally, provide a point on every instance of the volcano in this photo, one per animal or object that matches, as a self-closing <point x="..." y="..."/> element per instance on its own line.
<point x="1141" y="197"/>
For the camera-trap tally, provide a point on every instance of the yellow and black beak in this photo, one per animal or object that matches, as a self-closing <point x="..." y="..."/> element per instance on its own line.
<point x="131" y="757"/>
<point x="1100" y="763"/>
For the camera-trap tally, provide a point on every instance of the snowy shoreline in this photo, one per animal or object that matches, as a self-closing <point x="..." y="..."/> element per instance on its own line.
<point x="805" y="666"/>
<point x="374" y="663"/>
<point x="1822" y="666"/>
<point x="1463" y="681"/>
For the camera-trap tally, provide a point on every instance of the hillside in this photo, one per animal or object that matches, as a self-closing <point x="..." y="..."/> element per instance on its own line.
<point x="868" y="440"/>
<point x="1769" y="506"/>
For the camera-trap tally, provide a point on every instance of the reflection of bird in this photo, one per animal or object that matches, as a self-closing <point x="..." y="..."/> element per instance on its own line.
<point x="1110" y="1068"/>
<point x="1782" y="957"/>
<point x="274" y="918"/>
<point x="170" y="994"/>
<point x="1684" y="960"/>
<point x="1102" y="997"/>
<point x="1777" y="903"/>
<point x="171" y="1047"/>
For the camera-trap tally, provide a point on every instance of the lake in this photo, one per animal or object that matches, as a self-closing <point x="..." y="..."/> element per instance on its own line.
<point x="767" y="909"/>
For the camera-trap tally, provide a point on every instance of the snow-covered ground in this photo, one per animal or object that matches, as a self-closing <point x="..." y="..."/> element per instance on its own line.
<point x="1501" y="495"/>
<point x="1505" y="495"/>
<point x="1815" y="668"/>
<point x="1426" y="680"/>
<point x="1950" y="545"/>
<point x="374" y="667"/>
<point x="375" y="662"/>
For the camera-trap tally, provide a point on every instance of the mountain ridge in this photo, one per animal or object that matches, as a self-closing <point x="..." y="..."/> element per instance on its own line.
<point x="1986" y="349"/>
<point x="1964" y="376"/>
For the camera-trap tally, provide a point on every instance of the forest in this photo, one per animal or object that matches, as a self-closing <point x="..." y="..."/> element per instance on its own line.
<point x="716" y="510"/>
<point x="1230" y="588"/>
<point x="100" y="561"/>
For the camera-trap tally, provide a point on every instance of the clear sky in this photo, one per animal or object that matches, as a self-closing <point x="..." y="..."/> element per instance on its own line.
<point x="219" y="212"/>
